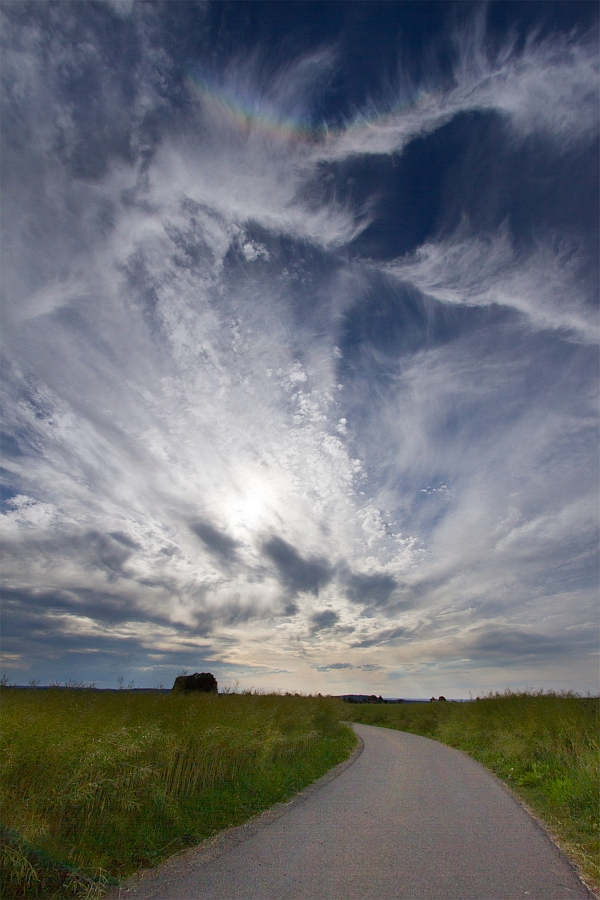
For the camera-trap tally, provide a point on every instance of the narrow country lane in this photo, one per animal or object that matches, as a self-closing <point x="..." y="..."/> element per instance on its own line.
<point x="409" y="818"/>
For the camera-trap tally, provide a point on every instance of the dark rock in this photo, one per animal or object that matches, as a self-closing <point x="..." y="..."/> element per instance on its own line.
<point x="204" y="682"/>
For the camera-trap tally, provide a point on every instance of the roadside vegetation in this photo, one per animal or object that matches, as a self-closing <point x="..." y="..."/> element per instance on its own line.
<point x="96" y="785"/>
<point x="543" y="745"/>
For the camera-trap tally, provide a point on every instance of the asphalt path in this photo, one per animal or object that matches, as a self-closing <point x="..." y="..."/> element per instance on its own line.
<point x="406" y="818"/>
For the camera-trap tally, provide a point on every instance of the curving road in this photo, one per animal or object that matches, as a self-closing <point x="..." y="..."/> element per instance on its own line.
<point x="407" y="818"/>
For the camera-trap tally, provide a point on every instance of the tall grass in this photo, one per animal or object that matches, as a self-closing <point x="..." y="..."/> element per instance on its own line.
<point x="544" y="746"/>
<point x="97" y="784"/>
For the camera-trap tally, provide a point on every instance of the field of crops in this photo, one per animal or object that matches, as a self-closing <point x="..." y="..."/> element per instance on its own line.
<point x="97" y="784"/>
<point x="544" y="746"/>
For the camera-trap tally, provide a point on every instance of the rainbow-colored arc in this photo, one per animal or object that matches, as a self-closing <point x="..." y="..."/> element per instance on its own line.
<point x="246" y="116"/>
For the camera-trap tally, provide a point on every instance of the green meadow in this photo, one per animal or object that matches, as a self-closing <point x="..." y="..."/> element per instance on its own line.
<point x="544" y="746"/>
<point x="96" y="784"/>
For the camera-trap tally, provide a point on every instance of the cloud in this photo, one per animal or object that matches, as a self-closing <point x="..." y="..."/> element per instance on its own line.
<point x="369" y="667"/>
<point x="375" y="588"/>
<point x="296" y="573"/>
<point x="547" y="87"/>
<point x="546" y="284"/>
<point x="323" y="619"/>
<point x="333" y="666"/>
<point x="216" y="541"/>
<point x="382" y="636"/>
<point x="512" y="644"/>
<point x="232" y="434"/>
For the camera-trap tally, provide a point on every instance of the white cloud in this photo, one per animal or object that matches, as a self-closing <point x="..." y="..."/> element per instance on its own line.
<point x="549" y="88"/>
<point x="545" y="284"/>
<point x="173" y="331"/>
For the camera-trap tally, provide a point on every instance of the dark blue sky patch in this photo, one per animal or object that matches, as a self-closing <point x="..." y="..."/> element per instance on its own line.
<point x="497" y="179"/>
<point x="7" y="490"/>
<point x="393" y="319"/>
<point x="409" y="188"/>
<point x="367" y="37"/>
<point x="546" y="17"/>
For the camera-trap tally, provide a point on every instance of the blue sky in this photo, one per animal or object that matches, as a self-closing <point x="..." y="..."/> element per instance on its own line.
<point x="300" y="344"/>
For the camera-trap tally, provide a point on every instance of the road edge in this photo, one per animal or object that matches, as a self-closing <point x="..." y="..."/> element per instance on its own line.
<point x="542" y="825"/>
<point x="177" y="865"/>
<point x="552" y="837"/>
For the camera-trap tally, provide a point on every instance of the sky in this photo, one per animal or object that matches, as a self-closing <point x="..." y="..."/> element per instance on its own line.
<point x="300" y="345"/>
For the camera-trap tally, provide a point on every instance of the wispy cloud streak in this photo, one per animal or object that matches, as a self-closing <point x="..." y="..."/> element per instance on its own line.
<point x="546" y="284"/>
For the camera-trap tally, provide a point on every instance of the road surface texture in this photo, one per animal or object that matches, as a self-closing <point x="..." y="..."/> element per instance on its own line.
<point x="406" y="818"/>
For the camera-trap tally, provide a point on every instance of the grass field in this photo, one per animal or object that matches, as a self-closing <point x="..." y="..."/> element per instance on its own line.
<point x="544" y="746"/>
<point x="96" y="785"/>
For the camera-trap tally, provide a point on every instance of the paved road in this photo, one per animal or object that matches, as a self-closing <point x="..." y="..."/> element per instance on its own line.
<point x="409" y="818"/>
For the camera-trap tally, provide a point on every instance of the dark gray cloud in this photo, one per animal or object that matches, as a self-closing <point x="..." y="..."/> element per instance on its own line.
<point x="43" y="606"/>
<point x="103" y="551"/>
<point x="368" y="667"/>
<point x="371" y="589"/>
<point x="333" y="666"/>
<point x="217" y="541"/>
<point x="108" y="553"/>
<point x="512" y="645"/>
<point x="323" y="619"/>
<point x="296" y="572"/>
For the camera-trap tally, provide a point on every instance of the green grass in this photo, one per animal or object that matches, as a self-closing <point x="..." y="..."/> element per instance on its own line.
<point x="544" y="746"/>
<point x="96" y="785"/>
